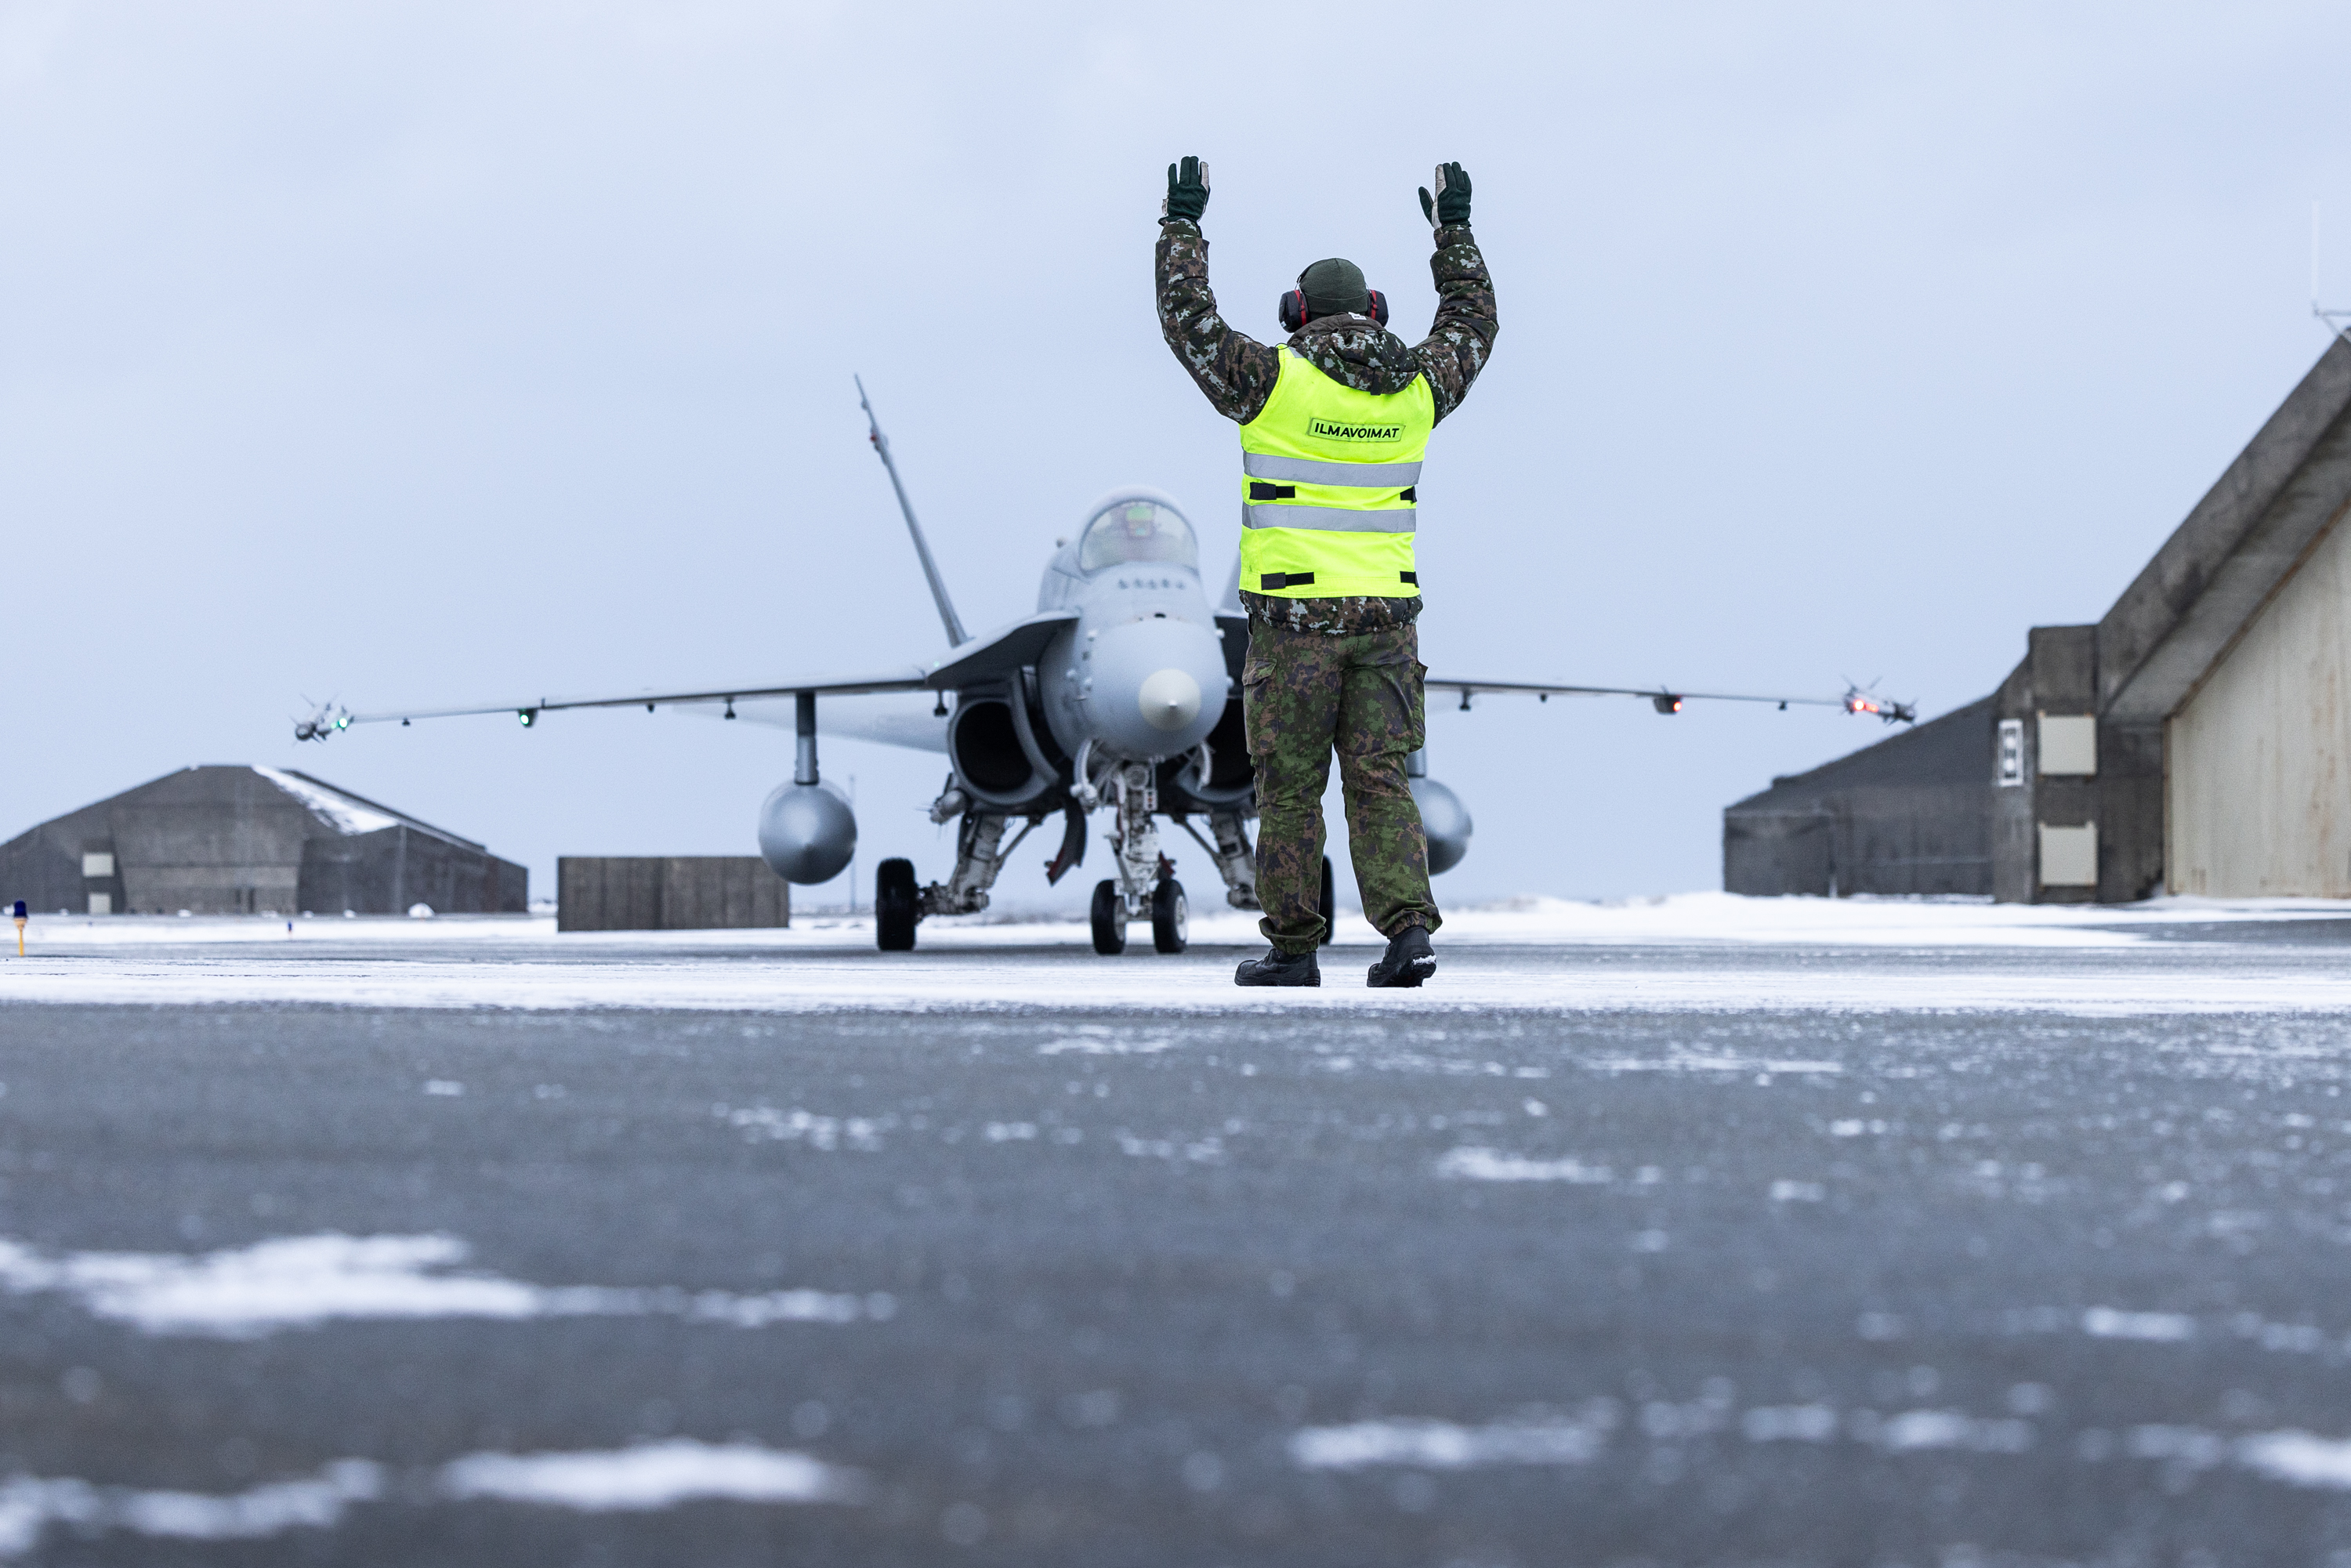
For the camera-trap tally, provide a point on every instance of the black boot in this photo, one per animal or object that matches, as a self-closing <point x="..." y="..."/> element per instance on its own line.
<point x="1407" y="961"/>
<point x="1279" y="968"/>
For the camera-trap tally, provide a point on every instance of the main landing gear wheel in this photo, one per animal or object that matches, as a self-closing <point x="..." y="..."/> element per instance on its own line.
<point x="1110" y="919"/>
<point x="895" y="903"/>
<point x="1170" y="916"/>
<point x="1330" y="903"/>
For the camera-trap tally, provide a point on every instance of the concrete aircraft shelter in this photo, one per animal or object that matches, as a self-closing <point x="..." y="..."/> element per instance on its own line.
<point x="2194" y="740"/>
<point x="250" y="840"/>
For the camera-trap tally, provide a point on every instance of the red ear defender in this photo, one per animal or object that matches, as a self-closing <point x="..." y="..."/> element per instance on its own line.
<point x="1293" y="310"/>
<point x="1379" y="307"/>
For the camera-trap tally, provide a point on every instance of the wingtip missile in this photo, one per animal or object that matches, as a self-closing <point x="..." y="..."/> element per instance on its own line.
<point x="1886" y="709"/>
<point x="326" y="720"/>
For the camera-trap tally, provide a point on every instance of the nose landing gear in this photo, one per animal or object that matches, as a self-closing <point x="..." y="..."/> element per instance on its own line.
<point x="1170" y="918"/>
<point x="1145" y="885"/>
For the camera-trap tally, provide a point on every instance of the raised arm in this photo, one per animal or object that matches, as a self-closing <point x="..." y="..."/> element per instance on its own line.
<point x="1234" y="370"/>
<point x="1463" y="333"/>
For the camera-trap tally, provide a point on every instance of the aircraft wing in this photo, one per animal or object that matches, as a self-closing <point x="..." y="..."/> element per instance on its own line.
<point x="994" y="656"/>
<point x="999" y="655"/>
<point x="911" y="678"/>
<point x="1667" y="699"/>
<point x="888" y="719"/>
<point x="1233" y="623"/>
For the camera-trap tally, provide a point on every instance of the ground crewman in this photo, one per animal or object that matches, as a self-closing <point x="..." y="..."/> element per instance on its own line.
<point x="1333" y="425"/>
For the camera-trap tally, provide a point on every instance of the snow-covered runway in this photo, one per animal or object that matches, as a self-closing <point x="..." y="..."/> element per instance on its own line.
<point x="1696" y="952"/>
<point x="1690" y="1230"/>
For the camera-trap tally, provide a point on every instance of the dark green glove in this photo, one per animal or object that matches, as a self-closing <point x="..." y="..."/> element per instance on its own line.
<point x="1187" y="191"/>
<point x="1451" y="203"/>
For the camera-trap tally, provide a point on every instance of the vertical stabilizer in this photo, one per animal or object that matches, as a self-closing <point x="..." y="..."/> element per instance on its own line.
<point x="948" y="615"/>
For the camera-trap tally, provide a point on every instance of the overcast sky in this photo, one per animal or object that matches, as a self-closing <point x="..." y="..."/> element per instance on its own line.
<point x="427" y="352"/>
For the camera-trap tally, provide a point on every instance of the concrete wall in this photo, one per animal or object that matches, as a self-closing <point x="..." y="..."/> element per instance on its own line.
<point x="387" y="871"/>
<point x="214" y="841"/>
<point x="2241" y="549"/>
<point x="1909" y="815"/>
<point x="2014" y="859"/>
<point x="2058" y="680"/>
<point x="44" y="866"/>
<point x="2259" y="757"/>
<point x="668" y="892"/>
<point x="229" y="840"/>
<point x="2194" y="737"/>
<point x="2103" y="803"/>
<point x="1918" y="841"/>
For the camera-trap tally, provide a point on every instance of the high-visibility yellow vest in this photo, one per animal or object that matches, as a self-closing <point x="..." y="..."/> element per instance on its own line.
<point x="1329" y="478"/>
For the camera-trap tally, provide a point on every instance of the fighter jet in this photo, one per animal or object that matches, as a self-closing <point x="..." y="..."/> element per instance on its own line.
<point x="1121" y="692"/>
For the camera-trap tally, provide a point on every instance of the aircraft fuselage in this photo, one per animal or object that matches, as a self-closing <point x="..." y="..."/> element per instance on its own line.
<point x="1141" y="673"/>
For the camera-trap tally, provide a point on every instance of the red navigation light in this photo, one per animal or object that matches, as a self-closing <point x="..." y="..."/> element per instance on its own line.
<point x="1890" y="711"/>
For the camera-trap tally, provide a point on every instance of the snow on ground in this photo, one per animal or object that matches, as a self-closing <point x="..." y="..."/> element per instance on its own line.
<point x="1030" y="983"/>
<point x="2297" y="1458"/>
<point x="645" y="1476"/>
<point x="30" y="1504"/>
<point x="1673" y="919"/>
<point x="1706" y="952"/>
<point x="1448" y="1446"/>
<point x="662" y="1474"/>
<point x="650" y="1476"/>
<point x="302" y="1281"/>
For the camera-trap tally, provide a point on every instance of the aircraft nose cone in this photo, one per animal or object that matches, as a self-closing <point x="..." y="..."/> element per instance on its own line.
<point x="1153" y="689"/>
<point x="1169" y="700"/>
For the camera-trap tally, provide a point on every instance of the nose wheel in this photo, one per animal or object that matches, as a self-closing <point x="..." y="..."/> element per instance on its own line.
<point x="1170" y="918"/>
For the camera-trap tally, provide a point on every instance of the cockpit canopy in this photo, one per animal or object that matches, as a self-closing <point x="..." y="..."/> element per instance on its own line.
<point x="1137" y="528"/>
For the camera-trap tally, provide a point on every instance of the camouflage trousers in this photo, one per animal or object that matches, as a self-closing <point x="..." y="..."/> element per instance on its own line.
<point x="1304" y="695"/>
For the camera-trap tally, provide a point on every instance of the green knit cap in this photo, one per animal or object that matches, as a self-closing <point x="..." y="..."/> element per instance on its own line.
<point x="1334" y="288"/>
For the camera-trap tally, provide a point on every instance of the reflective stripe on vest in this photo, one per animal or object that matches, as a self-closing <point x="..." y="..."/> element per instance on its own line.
<point x="1306" y="471"/>
<point x="1342" y="520"/>
<point x="1329" y="482"/>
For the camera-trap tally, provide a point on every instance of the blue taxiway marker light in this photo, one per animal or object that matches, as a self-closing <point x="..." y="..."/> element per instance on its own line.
<point x="17" y="915"/>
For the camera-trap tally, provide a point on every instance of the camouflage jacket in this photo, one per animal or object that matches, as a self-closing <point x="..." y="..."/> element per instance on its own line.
<point x="1238" y="372"/>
